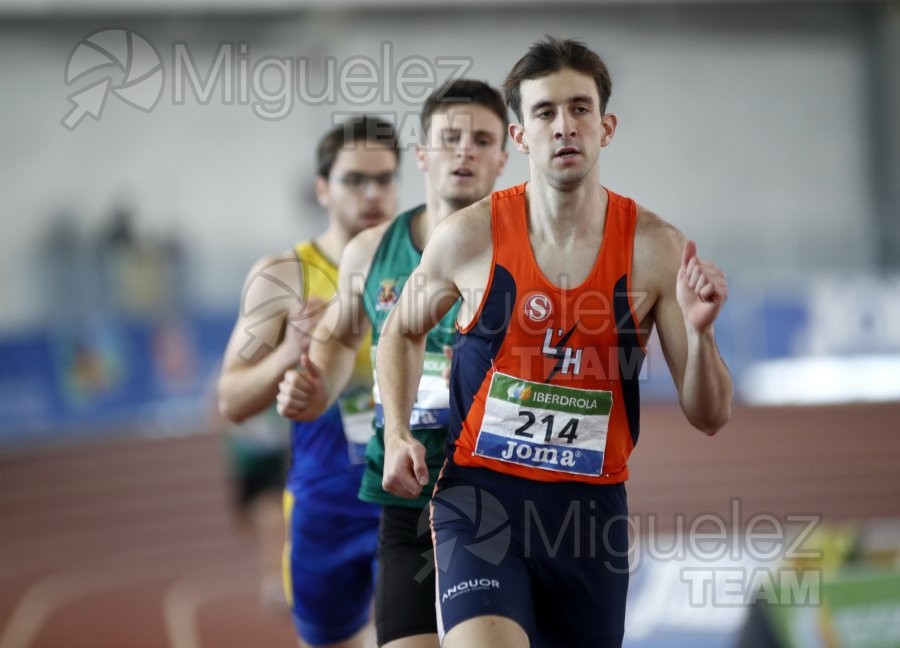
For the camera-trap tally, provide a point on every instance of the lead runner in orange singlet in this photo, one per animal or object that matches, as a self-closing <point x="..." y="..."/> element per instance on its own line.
<point x="561" y="282"/>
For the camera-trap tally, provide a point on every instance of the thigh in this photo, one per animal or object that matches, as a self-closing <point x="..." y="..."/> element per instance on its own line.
<point x="493" y="631"/>
<point x="581" y="576"/>
<point x="404" y="588"/>
<point x="329" y="573"/>
<point x="480" y="567"/>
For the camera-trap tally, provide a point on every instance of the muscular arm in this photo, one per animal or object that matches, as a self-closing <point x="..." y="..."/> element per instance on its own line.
<point x="448" y="262"/>
<point x="429" y="293"/>
<point x="335" y="341"/>
<point x="267" y="338"/>
<point x="691" y="292"/>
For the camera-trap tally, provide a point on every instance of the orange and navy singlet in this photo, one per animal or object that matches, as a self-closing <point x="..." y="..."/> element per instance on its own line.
<point x="545" y="379"/>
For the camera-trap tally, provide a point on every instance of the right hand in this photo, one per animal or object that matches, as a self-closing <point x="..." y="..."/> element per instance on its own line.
<point x="302" y="395"/>
<point x="405" y="470"/>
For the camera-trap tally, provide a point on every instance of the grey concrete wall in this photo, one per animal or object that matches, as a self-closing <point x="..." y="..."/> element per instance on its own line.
<point x="746" y="127"/>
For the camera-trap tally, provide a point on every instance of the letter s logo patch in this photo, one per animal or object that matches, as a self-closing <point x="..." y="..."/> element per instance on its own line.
<point x="538" y="307"/>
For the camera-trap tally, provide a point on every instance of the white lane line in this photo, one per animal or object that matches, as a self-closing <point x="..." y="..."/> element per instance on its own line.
<point x="185" y="598"/>
<point x="45" y="596"/>
<point x="52" y="592"/>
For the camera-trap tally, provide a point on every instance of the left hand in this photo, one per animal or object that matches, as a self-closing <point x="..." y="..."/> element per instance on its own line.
<point x="701" y="289"/>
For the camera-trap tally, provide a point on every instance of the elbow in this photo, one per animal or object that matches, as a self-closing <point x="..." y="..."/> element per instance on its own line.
<point x="709" y="418"/>
<point x="708" y="412"/>
<point x="227" y="404"/>
<point x="711" y="429"/>
<point x="228" y="410"/>
<point x="711" y="424"/>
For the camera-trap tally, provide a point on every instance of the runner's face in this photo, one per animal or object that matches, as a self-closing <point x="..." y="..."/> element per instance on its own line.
<point x="463" y="155"/>
<point x="361" y="190"/>
<point x="563" y="129"/>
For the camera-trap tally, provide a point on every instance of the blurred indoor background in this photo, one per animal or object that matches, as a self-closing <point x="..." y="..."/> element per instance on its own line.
<point x="151" y="151"/>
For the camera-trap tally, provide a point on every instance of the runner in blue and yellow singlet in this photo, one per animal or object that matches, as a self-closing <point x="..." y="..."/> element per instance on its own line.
<point x="329" y="555"/>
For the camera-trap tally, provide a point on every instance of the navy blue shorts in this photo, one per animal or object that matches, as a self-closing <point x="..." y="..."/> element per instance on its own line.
<point x="551" y="556"/>
<point x="329" y="571"/>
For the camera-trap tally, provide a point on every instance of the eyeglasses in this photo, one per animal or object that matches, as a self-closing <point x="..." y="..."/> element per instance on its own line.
<point x="358" y="181"/>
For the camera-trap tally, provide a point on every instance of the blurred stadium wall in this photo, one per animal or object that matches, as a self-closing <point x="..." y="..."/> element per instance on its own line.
<point x="768" y="132"/>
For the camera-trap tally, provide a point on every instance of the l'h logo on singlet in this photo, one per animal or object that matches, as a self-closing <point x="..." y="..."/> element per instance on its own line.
<point x="568" y="360"/>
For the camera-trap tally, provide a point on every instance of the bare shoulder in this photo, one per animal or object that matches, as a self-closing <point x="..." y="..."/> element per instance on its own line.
<point x="657" y="254"/>
<point x="654" y="231"/>
<point x="359" y="252"/>
<point x="283" y="267"/>
<point x="466" y="233"/>
<point x="274" y="262"/>
<point x="657" y="243"/>
<point x="273" y="285"/>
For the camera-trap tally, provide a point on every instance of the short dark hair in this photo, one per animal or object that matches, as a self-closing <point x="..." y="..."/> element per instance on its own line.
<point x="461" y="92"/>
<point x="552" y="55"/>
<point x="356" y="129"/>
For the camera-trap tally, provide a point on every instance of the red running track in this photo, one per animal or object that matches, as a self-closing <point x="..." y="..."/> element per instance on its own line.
<point x="130" y="543"/>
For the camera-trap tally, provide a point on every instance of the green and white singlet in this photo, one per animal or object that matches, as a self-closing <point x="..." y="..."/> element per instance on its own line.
<point x="395" y="260"/>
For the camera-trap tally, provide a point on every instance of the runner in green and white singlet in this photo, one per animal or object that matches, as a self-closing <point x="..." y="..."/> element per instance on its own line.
<point x="462" y="154"/>
<point x="394" y="261"/>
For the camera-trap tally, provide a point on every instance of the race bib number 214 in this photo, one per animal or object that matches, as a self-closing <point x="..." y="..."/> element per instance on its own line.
<point x="545" y="426"/>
